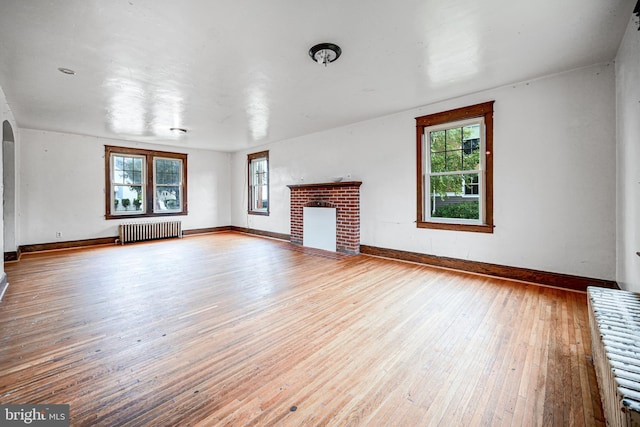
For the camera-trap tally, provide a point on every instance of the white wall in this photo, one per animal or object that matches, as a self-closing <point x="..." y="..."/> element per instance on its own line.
<point x="628" y="177"/>
<point x="554" y="185"/>
<point x="63" y="181"/>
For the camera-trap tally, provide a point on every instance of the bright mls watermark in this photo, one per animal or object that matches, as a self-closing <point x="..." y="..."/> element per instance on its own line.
<point x="34" y="415"/>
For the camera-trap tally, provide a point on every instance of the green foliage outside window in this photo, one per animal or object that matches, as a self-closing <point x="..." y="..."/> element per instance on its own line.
<point x="465" y="210"/>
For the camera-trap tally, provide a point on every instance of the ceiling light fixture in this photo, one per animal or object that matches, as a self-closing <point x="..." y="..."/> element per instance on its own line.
<point x="324" y="53"/>
<point x="68" y="71"/>
<point x="178" y="130"/>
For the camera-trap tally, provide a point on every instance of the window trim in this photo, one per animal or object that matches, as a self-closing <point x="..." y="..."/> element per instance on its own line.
<point x="148" y="181"/>
<point x="250" y="157"/>
<point x="485" y="111"/>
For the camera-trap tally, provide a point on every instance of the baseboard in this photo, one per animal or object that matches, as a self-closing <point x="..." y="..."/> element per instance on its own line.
<point x="205" y="230"/>
<point x="559" y="280"/>
<point x="12" y="256"/>
<point x="279" y="236"/>
<point x="67" y="245"/>
<point x="3" y="285"/>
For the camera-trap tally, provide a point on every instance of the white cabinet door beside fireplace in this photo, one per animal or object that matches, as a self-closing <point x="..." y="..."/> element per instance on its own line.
<point x="319" y="228"/>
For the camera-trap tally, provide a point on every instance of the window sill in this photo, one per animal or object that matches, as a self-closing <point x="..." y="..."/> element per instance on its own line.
<point x="476" y="228"/>
<point x="258" y="213"/>
<point x="144" y="215"/>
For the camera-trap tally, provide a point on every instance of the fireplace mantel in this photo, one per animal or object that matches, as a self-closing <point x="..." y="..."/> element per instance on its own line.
<point x="328" y="184"/>
<point x="344" y="196"/>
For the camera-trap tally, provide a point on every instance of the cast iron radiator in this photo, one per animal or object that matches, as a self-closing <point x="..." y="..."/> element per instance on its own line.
<point x="614" y="319"/>
<point x="135" y="232"/>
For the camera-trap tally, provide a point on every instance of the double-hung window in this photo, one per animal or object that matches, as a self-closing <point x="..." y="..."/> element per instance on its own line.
<point x="167" y="184"/>
<point x="258" y="167"/>
<point x="144" y="183"/>
<point x="127" y="173"/>
<point x="455" y="169"/>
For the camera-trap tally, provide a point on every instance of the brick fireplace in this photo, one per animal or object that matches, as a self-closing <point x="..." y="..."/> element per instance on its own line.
<point x="344" y="196"/>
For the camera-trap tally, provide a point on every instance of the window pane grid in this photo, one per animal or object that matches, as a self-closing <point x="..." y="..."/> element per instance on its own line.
<point x="455" y="149"/>
<point x="454" y="172"/>
<point x="127" y="170"/>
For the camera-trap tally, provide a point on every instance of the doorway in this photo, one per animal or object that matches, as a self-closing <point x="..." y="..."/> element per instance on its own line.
<point x="9" y="192"/>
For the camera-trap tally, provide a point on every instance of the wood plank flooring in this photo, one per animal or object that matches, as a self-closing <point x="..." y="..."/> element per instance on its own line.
<point x="231" y="329"/>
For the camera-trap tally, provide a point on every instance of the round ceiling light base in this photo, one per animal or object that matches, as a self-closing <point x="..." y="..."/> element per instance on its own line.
<point x="325" y="53"/>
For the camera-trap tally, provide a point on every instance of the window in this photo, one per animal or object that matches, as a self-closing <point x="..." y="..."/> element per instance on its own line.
<point x="258" y="183"/>
<point x="126" y="183"/>
<point x="144" y="183"/>
<point x="455" y="169"/>
<point x="168" y="184"/>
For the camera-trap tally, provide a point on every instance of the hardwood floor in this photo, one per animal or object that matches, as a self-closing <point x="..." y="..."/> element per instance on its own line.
<point x="229" y="329"/>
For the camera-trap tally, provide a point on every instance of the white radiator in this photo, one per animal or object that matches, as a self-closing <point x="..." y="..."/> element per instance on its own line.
<point x="614" y="318"/>
<point x="136" y="232"/>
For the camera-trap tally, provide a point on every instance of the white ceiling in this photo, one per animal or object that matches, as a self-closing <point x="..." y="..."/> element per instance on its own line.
<point x="236" y="73"/>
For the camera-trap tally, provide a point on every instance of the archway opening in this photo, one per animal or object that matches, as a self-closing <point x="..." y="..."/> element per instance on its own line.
<point x="9" y="191"/>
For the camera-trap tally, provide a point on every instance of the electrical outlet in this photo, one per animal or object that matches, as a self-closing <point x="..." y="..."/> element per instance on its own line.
<point x="58" y="234"/>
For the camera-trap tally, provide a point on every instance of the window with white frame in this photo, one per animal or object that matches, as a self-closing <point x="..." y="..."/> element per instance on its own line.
<point x="453" y="173"/>
<point x="258" y="168"/>
<point x="168" y="184"/>
<point x="127" y="187"/>
<point x="455" y="169"/>
<point x="144" y="182"/>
